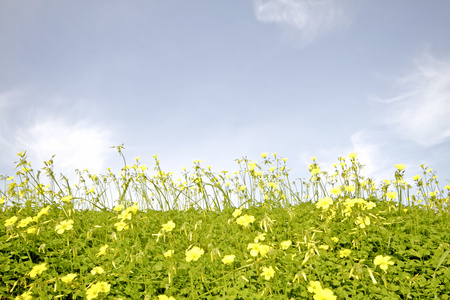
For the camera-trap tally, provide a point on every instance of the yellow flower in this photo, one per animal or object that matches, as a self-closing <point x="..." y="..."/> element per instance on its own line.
<point x="314" y="286"/>
<point x="256" y="248"/>
<point x="2" y="200"/>
<point x="335" y="239"/>
<point x="349" y="202"/>
<point x="285" y="244"/>
<point x="447" y="187"/>
<point x="273" y="185"/>
<point x="37" y="270"/>
<point x="237" y="212"/>
<point x="31" y="230"/>
<point x="66" y="198"/>
<point x="164" y="297"/>
<point x="315" y="171"/>
<point x="324" y="247"/>
<point x="370" y="205"/>
<point x="103" y="287"/>
<point x="43" y="211"/>
<point x="168" y="226"/>
<point x="121" y="226"/>
<point x="268" y="272"/>
<point x="324" y="294"/>
<point x="260" y="237"/>
<point x="350" y="188"/>
<point x="352" y="155"/>
<point x="362" y="222"/>
<point x="95" y="289"/>
<point x="252" y="166"/>
<point x="97" y="270"/>
<point x="92" y="292"/>
<point x="194" y="254"/>
<point x="344" y="253"/>
<point x="400" y="167"/>
<point x="143" y="168"/>
<point x="68" y="278"/>
<point x="25" y="296"/>
<point x="264" y="249"/>
<point x="391" y="195"/>
<point x="263" y="155"/>
<point x="10" y="221"/>
<point x="102" y="250"/>
<point x="124" y="215"/>
<point x="416" y="177"/>
<point x="168" y="253"/>
<point x="359" y="201"/>
<point x="245" y="220"/>
<point x="25" y="222"/>
<point x="228" y="259"/>
<point x="134" y="208"/>
<point x="324" y="203"/>
<point x="336" y="191"/>
<point x="383" y="262"/>
<point x="119" y="207"/>
<point x="63" y="226"/>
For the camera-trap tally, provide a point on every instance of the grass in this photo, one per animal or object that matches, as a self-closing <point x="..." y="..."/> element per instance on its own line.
<point x="251" y="234"/>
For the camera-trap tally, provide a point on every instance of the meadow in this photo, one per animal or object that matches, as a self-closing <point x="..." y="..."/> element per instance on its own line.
<point x="250" y="234"/>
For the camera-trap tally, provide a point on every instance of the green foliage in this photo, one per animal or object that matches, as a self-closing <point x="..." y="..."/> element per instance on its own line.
<point x="334" y="237"/>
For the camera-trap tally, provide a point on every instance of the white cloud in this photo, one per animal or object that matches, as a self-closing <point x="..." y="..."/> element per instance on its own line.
<point x="367" y="144"/>
<point x="55" y="126"/>
<point x="312" y="18"/>
<point x="421" y="113"/>
<point x="78" y="145"/>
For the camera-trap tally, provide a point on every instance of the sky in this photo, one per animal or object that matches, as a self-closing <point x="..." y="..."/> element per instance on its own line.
<point x="220" y="80"/>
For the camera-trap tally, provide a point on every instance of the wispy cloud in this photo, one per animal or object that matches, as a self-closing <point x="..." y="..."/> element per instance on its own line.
<point x="78" y="145"/>
<point x="421" y="112"/>
<point x="312" y="18"/>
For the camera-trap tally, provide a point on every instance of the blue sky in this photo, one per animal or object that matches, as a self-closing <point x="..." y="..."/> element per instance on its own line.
<point x="219" y="80"/>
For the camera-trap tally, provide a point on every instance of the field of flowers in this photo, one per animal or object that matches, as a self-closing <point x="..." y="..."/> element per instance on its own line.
<point x="249" y="234"/>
